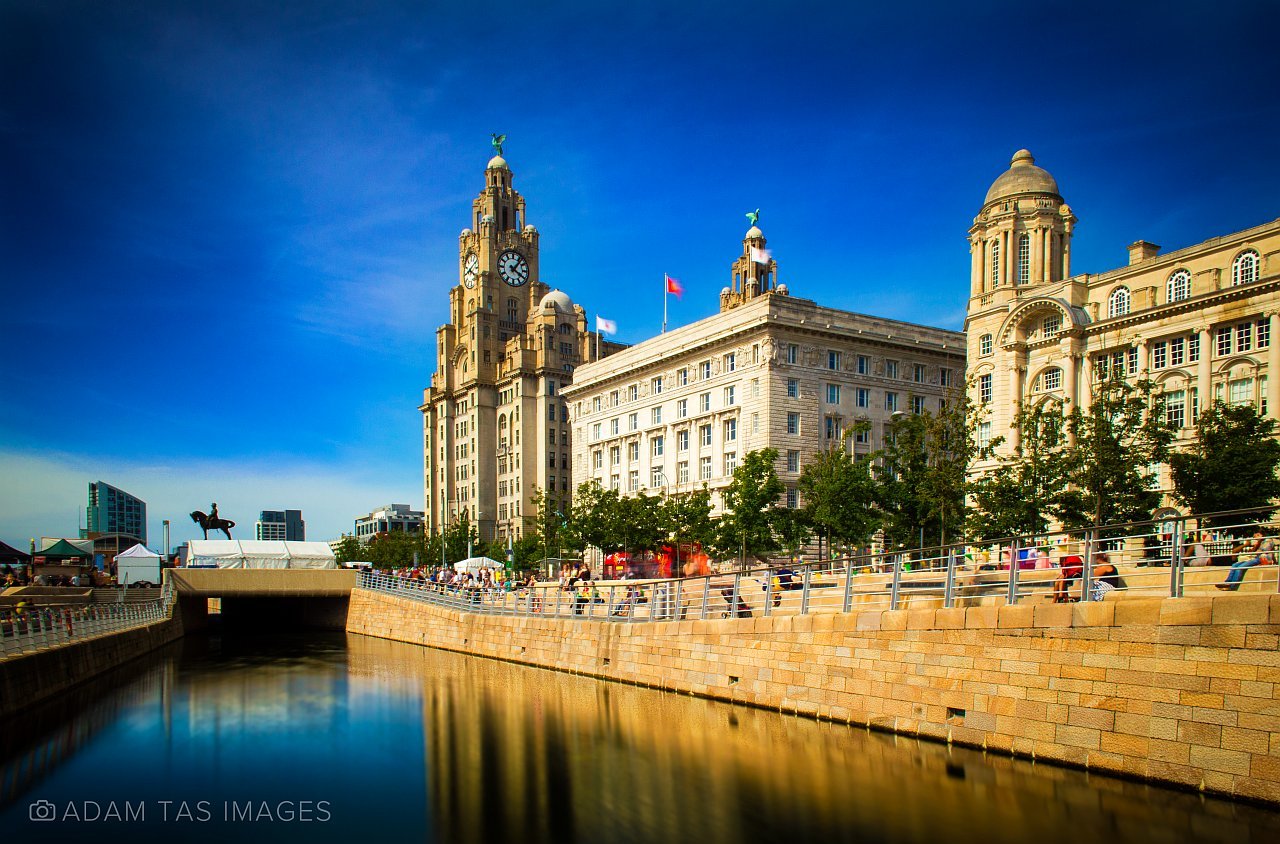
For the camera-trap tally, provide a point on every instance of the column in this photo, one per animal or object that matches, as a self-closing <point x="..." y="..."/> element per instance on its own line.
<point x="1273" y="368"/>
<point x="1204" y="369"/>
<point x="975" y="267"/>
<point x="1144" y="363"/>
<point x="1017" y="377"/>
<point x="1070" y="374"/>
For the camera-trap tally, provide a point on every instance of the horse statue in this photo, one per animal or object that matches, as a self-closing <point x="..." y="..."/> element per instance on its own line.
<point x="216" y="523"/>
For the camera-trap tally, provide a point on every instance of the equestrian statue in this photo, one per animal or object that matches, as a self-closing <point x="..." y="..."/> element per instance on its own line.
<point x="212" y="521"/>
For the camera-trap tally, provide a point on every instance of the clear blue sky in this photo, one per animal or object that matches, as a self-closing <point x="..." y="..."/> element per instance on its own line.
<point x="227" y="229"/>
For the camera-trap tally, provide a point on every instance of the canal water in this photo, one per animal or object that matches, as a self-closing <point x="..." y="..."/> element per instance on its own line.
<point x="338" y="737"/>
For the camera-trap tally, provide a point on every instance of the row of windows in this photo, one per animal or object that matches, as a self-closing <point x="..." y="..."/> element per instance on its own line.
<point x="655" y="413"/>
<point x="1245" y="269"/>
<point x="657" y="478"/>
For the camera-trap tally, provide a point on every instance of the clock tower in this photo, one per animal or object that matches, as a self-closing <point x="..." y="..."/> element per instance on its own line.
<point x="494" y="426"/>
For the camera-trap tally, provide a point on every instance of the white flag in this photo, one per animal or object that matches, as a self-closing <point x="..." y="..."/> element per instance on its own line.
<point x="606" y="326"/>
<point x="760" y="256"/>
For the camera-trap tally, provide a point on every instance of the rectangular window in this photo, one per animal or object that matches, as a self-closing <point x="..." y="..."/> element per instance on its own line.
<point x="793" y="423"/>
<point x="682" y="376"/>
<point x="833" y="360"/>
<point x="891" y="369"/>
<point x="658" y="444"/>
<point x="551" y="387"/>
<point x="1053" y="379"/>
<point x="613" y="482"/>
<point x="1133" y="360"/>
<point x="944" y="376"/>
<point x="597" y="459"/>
<point x="917" y="404"/>
<point x="633" y="421"/>
<point x="704" y="469"/>
<point x="1175" y="409"/>
<point x="862" y="436"/>
<point x="730" y="362"/>
<point x="655" y="478"/>
<point x="633" y="452"/>
<point x="656" y="385"/>
<point x="755" y="423"/>
<point x="615" y="456"/>
<point x="682" y="472"/>
<point x="656" y="415"/>
<point x="1244" y="337"/>
<point x="833" y="427"/>
<point x="595" y="431"/>
<point x="1177" y="351"/>
<point x="984" y="389"/>
<point x="682" y="440"/>
<point x="730" y="394"/>
<point x="984" y="344"/>
<point x="613" y="427"/>
<point x="595" y="404"/>
<point x="1159" y="355"/>
<point x="890" y="401"/>
<point x="833" y="394"/>
<point x="730" y="463"/>
<point x="793" y="352"/>
<point x="793" y="498"/>
<point x="704" y="402"/>
<point x="613" y="398"/>
<point x="706" y="370"/>
<point x="704" y="435"/>
<point x="862" y="397"/>
<point x="633" y="480"/>
<point x="1224" y="341"/>
<point x="793" y="461"/>
<point x="984" y="434"/>
<point x="1240" y="391"/>
<point x="633" y="392"/>
<point x="1264" y="333"/>
<point x="730" y="430"/>
<point x="1262" y="394"/>
<point x="682" y="408"/>
<point x="863" y="365"/>
<point x="793" y="388"/>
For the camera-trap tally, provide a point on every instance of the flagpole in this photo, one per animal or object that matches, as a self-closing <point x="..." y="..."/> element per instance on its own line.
<point x="664" y="303"/>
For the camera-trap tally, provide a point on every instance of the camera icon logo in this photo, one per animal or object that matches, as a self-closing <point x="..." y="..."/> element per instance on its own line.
<point x="42" y="810"/>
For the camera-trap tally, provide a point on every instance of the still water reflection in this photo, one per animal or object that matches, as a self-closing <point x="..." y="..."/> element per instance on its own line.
<point x="346" y="738"/>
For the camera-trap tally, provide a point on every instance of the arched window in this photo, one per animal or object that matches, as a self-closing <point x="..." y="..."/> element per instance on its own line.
<point x="1245" y="268"/>
<point x="1024" y="259"/>
<point x="1179" y="286"/>
<point x="984" y="344"/>
<point x="1051" y="379"/>
<point x="1118" y="302"/>
<point x="995" y="263"/>
<point x="565" y="328"/>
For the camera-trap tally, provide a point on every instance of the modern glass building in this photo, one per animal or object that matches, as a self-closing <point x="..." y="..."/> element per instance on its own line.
<point x="114" y="511"/>
<point x="281" y="524"/>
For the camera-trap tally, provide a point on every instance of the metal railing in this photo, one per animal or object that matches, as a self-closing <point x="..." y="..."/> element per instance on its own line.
<point x="1169" y="557"/>
<point x="38" y="627"/>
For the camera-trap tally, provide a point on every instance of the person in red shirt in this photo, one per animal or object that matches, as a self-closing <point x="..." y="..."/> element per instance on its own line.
<point x="1072" y="566"/>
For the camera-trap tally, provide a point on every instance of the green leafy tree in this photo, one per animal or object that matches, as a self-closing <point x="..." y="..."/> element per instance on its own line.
<point x="1232" y="465"/>
<point x="458" y="537"/>
<point x="751" y="503"/>
<point x="840" y="493"/>
<point x="688" y="518"/>
<point x="1027" y="490"/>
<point x="348" y="549"/>
<point x="1115" y="439"/>
<point x="396" y="550"/>
<point x="902" y="473"/>
<point x="592" y="519"/>
<point x="950" y="444"/>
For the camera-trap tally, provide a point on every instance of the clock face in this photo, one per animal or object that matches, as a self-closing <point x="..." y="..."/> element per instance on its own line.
<point x="513" y="268"/>
<point x="471" y="270"/>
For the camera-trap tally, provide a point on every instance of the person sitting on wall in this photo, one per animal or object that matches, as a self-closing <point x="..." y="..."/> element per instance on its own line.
<point x="1106" y="577"/>
<point x="1260" y="552"/>
<point x="1072" y="566"/>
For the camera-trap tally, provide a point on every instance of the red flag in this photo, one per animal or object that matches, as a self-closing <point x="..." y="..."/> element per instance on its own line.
<point x="674" y="286"/>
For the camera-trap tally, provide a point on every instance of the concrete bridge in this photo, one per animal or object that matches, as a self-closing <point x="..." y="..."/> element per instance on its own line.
<point x="256" y="598"/>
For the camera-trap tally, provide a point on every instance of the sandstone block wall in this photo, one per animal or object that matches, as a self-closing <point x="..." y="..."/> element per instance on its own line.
<point x="1182" y="691"/>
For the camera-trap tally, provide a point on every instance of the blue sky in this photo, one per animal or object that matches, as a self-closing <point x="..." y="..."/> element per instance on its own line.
<point x="306" y="166"/>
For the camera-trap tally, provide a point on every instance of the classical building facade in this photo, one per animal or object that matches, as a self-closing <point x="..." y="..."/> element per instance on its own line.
<point x="1201" y="322"/>
<point x="494" y="424"/>
<point x="771" y="370"/>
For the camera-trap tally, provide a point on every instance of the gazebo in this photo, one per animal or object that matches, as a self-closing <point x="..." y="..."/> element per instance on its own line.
<point x="62" y="550"/>
<point x="10" y="556"/>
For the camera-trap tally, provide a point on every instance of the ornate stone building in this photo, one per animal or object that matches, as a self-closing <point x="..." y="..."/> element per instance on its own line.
<point x="770" y="370"/>
<point x="1199" y="321"/>
<point x="494" y="424"/>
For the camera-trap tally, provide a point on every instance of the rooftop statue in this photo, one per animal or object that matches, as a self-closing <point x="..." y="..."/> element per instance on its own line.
<point x="754" y="217"/>
<point x="497" y="142"/>
<point x="212" y="521"/>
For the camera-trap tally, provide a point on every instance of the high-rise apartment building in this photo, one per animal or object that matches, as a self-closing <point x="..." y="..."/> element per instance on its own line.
<point x="113" y="511"/>
<point x="392" y="518"/>
<point x="280" y="524"/>
<point x="494" y="424"/>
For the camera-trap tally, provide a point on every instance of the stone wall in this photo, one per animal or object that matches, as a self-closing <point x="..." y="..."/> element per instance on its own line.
<point x="35" y="677"/>
<point x="1181" y="691"/>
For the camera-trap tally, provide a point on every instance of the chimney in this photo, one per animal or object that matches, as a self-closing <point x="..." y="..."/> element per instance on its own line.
<point x="1141" y="251"/>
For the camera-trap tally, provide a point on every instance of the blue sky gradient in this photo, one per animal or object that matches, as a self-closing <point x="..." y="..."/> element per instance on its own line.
<point x="227" y="230"/>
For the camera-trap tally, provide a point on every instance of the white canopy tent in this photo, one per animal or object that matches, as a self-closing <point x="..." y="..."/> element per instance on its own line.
<point x="259" y="554"/>
<point x="138" y="551"/>
<point x="474" y="564"/>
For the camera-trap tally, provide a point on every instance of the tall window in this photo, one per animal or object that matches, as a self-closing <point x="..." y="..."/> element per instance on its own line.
<point x="984" y="344"/>
<point x="682" y="408"/>
<point x="1052" y="325"/>
<point x="704" y="435"/>
<point x="656" y="385"/>
<point x="704" y="469"/>
<point x="793" y="461"/>
<point x="984" y="389"/>
<point x="833" y="394"/>
<point x="658" y="444"/>
<point x="793" y="388"/>
<point x="995" y="263"/>
<point x="1024" y="259"/>
<point x="1244" y="270"/>
<point x="682" y="440"/>
<point x="891" y="369"/>
<point x="793" y="423"/>
<point x="862" y="397"/>
<point x="1179" y="286"/>
<point x="1118" y="302"/>
<point x="890" y="401"/>
<point x="730" y="430"/>
<point x="730" y="394"/>
<point x="864" y="365"/>
<point x="833" y="360"/>
<point x="793" y="352"/>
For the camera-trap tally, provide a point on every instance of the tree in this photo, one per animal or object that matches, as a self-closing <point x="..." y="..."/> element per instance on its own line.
<point x="591" y="519"/>
<point x="903" y="467"/>
<point x="840" y="494"/>
<point x="348" y="550"/>
<point x="1027" y="491"/>
<point x="751" y="504"/>
<point x="951" y="445"/>
<point x="1115" y="440"/>
<point x="459" y="538"/>
<point x="688" y="517"/>
<point x="1232" y="465"/>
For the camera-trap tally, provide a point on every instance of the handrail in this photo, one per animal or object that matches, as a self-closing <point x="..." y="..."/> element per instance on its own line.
<point x="43" y="626"/>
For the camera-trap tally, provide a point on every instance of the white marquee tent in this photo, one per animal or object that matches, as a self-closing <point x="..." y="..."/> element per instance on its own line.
<point x="259" y="554"/>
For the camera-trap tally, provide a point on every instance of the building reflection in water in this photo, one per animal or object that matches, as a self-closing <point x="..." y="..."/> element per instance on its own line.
<point x="521" y="754"/>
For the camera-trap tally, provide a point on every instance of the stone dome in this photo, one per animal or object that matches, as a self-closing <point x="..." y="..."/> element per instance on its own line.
<point x="465" y="233"/>
<point x="488" y="218"/>
<point x="1023" y="176"/>
<point x="754" y="231"/>
<point x="529" y="229"/>
<point x="783" y="290"/>
<point x="557" y="300"/>
<point x="497" y="163"/>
